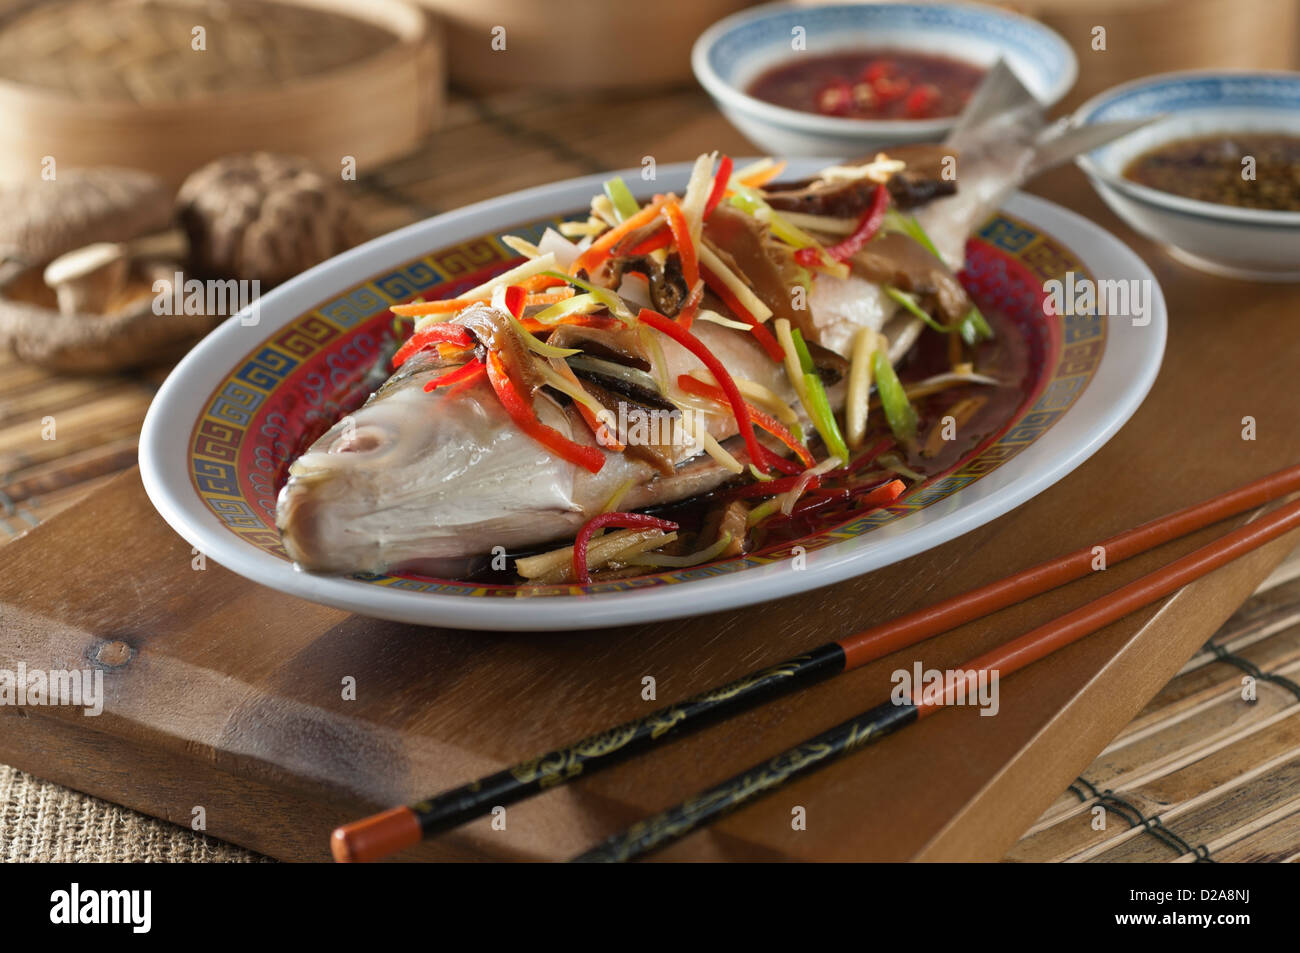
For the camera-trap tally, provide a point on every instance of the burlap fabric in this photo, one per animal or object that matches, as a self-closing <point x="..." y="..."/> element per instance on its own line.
<point x="40" y="821"/>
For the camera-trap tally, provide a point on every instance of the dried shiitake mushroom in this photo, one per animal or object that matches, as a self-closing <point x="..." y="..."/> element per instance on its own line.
<point x="79" y="256"/>
<point x="265" y="217"/>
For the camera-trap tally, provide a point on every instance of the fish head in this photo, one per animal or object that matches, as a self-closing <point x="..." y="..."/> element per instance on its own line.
<point x="422" y="481"/>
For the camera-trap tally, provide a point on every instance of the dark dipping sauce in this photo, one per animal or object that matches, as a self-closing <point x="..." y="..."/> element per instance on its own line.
<point x="1215" y="169"/>
<point x="871" y="84"/>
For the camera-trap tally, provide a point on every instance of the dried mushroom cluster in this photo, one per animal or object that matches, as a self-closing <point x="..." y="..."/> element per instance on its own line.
<point x="81" y="254"/>
<point x="265" y="217"/>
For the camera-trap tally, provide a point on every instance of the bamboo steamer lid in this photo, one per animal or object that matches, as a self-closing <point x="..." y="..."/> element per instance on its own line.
<point x="167" y="85"/>
<point x="581" y="45"/>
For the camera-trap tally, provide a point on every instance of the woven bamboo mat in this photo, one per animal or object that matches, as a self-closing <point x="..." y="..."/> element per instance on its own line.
<point x="1210" y="769"/>
<point x="1199" y="771"/>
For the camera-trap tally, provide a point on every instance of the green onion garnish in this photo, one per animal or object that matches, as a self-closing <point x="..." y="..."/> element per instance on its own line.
<point x="620" y="196"/>
<point x="896" y="221"/>
<point x="974" y="327"/>
<point x="818" y="405"/>
<point x="909" y="303"/>
<point x="898" y="410"/>
<point x="612" y="302"/>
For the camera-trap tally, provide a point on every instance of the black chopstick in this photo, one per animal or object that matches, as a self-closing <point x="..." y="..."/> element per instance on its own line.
<point x="381" y="834"/>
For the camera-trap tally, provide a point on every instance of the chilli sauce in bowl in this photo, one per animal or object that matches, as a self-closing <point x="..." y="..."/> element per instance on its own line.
<point x="871" y="84"/>
<point x="851" y="79"/>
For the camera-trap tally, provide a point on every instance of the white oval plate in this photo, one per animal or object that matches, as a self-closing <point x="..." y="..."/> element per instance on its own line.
<point x="220" y="526"/>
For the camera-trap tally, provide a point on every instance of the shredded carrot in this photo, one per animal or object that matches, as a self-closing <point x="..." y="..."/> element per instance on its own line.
<point x="418" y="309"/>
<point x="601" y="247"/>
<point x="539" y="282"/>
<point x="685" y="244"/>
<point x="761" y="178"/>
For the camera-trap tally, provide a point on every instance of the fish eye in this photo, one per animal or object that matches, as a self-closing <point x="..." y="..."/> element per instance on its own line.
<point x="356" y="441"/>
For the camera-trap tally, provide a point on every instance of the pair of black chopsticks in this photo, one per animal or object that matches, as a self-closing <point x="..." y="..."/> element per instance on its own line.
<point x="382" y="834"/>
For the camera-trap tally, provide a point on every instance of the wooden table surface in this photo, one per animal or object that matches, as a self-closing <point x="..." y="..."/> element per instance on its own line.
<point x="226" y="695"/>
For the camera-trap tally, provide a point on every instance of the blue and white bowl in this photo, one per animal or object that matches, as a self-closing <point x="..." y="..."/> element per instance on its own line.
<point x="733" y="52"/>
<point x="1255" y="244"/>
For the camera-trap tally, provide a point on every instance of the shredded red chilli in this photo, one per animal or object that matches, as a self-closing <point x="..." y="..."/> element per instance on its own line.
<point x="719" y="186"/>
<point x="866" y="229"/>
<point x="515" y="297"/>
<point x="526" y="419"/>
<point x="720" y="374"/>
<point x="438" y="334"/>
<point x="466" y="372"/>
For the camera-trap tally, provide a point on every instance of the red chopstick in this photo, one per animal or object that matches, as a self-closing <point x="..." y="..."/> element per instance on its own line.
<point x="759" y="779"/>
<point x="381" y="834"/>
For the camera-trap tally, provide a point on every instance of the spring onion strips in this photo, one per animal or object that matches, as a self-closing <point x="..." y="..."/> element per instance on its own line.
<point x="972" y="327"/>
<point x="534" y="266"/>
<point x="557" y="565"/>
<point x="612" y="302"/>
<point x="578" y="304"/>
<point x="620" y="197"/>
<point x="538" y="346"/>
<point x="896" y="221"/>
<point x="898" y="410"/>
<point x="818" y="405"/>
<point x="909" y="303"/>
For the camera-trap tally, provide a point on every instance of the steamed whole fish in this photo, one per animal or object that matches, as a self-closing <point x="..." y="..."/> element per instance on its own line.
<point x="434" y="481"/>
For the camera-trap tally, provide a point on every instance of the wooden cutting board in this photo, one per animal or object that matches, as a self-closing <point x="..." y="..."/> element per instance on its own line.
<point x="224" y="695"/>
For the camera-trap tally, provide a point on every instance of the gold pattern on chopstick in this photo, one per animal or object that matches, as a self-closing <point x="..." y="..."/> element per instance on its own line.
<point x="564" y="763"/>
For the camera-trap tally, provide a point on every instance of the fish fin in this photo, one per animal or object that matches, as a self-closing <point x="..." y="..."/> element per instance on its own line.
<point x="1000" y="93"/>
<point x="1065" y="139"/>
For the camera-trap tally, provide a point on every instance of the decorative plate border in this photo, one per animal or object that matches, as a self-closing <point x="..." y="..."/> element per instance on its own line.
<point x="334" y="344"/>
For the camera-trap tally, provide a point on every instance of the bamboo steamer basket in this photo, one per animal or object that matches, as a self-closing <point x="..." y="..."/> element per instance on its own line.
<point x="118" y="83"/>
<point x="1145" y="37"/>
<point x="578" y="45"/>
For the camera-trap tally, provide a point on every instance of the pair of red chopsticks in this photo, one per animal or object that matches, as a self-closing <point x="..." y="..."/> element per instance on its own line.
<point x="382" y="834"/>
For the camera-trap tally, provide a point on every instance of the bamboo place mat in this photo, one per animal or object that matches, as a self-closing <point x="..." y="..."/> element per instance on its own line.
<point x="1210" y="769"/>
<point x="1199" y="771"/>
